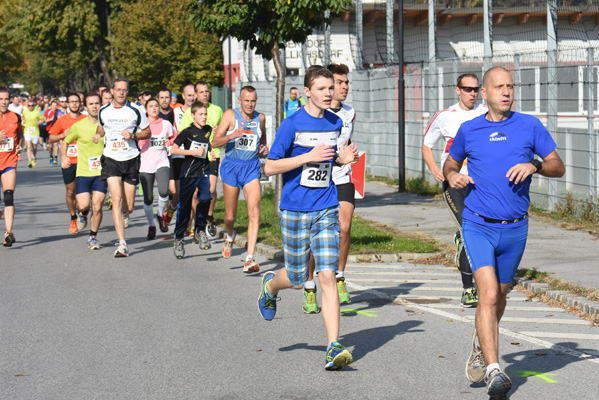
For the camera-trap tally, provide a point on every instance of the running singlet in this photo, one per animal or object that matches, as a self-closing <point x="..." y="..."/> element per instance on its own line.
<point x="89" y="153"/>
<point x="177" y="117"/>
<point x="10" y="123"/>
<point x="153" y="150"/>
<point x="30" y="119"/>
<point x="342" y="174"/>
<point x="115" y="120"/>
<point x="310" y="187"/>
<point x="445" y="124"/>
<point x="492" y="148"/>
<point x="247" y="146"/>
<point x="63" y="124"/>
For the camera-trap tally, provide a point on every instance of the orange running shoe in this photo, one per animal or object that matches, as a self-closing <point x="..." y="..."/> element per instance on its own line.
<point x="168" y="215"/>
<point x="251" y="266"/>
<point x="73" y="228"/>
<point x="228" y="248"/>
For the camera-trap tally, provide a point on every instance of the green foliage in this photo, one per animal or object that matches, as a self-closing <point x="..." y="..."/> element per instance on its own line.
<point x="263" y="23"/>
<point x="422" y="187"/>
<point x="156" y="46"/>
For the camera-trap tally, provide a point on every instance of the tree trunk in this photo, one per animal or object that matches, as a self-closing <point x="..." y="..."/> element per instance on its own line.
<point x="280" y="68"/>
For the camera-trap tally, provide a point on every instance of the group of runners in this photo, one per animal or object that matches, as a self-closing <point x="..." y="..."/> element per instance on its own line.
<point x="119" y="144"/>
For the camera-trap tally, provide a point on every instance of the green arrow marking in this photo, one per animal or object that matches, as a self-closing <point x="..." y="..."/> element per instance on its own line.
<point x="363" y="312"/>
<point x="544" y="376"/>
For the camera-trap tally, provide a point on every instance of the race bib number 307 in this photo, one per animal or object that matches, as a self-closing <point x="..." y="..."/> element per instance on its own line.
<point x="316" y="175"/>
<point x="247" y="142"/>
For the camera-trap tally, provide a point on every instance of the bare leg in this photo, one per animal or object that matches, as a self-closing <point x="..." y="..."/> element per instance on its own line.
<point x="330" y="304"/>
<point x="231" y="195"/>
<point x="9" y="182"/>
<point x="253" y="195"/>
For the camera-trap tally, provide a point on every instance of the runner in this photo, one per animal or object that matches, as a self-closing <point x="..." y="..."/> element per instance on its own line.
<point x="16" y="106"/>
<point x="342" y="177"/>
<point x="174" y="101"/>
<point x="50" y="118"/>
<point x="304" y="152"/>
<point x="11" y="140"/>
<point x="89" y="187"/>
<point x="121" y="124"/>
<point x="444" y="125"/>
<point x="155" y="166"/>
<point x="194" y="144"/>
<point x="243" y="132"/>
<point x="177" y="160"/>
<point x="165" y="111"/>
<point x="68" y="158"/>
<point x="32" y="118"/>
<point x="294" y="102"/>
<point x="215" y="114"/>
<point x="106" y="96"/>
<point x="500" y="147"/>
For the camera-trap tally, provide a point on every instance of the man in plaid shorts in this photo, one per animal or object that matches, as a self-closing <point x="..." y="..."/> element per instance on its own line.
<point x="304" y="152"/>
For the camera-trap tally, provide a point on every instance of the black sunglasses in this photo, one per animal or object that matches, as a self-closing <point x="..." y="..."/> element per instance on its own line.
<point x="469" y="89"/>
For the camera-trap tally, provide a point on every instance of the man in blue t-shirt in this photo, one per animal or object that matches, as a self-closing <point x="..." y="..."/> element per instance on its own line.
<point x="304" y="151"/>
<point x="294" y="103"/>
<point x="500" y="147"/>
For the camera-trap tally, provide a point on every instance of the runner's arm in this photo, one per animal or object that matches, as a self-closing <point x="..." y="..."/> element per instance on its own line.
<point x="263" y="139"/>
<point x="451" y="170"/>
<point x="226" y="123"/>
<point x="429" y="159"/>
<point x="552" y="167"/>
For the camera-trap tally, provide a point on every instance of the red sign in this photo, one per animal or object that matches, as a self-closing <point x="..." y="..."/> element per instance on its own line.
<point x="359" y="175"/>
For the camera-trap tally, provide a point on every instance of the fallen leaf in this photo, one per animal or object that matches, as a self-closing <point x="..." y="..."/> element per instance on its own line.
<point x="515" y="343"/>
<point x="549" y="315"/>
<point x="441" y="356"/>
<point x="258" y="349"/>
<point x="409" y="310"/>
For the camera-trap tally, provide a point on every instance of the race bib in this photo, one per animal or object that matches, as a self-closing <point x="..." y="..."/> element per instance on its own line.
<point x="316" y="175"/>
<point x="31" y="130"/>
<point x="7" y="145"/>
<point x="119" y="144"/>
<point x="157" y="143"/>
<point x="247" y="142"/>
<point x="197" y="145"/>
<point x="94" y="163"/>
<point x="72" y="150"/>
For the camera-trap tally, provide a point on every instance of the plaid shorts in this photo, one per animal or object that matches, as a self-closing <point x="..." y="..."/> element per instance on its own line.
<point x="302" y="232"/>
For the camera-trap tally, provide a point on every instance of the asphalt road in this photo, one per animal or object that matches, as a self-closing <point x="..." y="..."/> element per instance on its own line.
<point x="80" y="324"/>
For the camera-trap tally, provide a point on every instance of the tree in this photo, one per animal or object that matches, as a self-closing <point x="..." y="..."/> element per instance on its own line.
<point x="156" y="46"/>
<point x="266" y="25"/>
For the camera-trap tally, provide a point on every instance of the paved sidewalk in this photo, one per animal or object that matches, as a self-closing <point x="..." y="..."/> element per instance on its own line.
<point x="567" y="255"/>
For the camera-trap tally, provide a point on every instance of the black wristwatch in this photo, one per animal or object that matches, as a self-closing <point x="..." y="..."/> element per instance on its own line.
<point x="537" y="165"/>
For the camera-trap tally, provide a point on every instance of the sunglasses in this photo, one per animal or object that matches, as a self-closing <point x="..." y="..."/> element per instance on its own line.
<point x="469" y="89"/>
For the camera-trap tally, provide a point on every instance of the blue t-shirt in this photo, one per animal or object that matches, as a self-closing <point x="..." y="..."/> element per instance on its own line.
<point x="492" y="148"/>
<point x="298" y="135"/>
<point x="291" y="106"/>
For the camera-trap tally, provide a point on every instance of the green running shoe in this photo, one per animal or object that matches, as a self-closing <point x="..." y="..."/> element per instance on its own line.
<point x="337" y="356"/>
<point x="310" y="306"/>
<point x="469" y="298"/>
<point x="343" y="294"/>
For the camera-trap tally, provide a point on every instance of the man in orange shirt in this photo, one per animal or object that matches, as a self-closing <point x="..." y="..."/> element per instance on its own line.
<point x="68" y="158"/>
<point x="11" y="140"/>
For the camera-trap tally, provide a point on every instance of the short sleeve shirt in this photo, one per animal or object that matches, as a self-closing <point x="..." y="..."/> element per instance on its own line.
<point x="492" y="148"/>
<point x="153" y="150"/>
<point x="114" y="121"/>
<point x="30" y="119"/>
<point x="63" y="124"/>
<point x="193" y="137"/>
<point x="298" y="135"/>
<point x="10" y="123"/>
<point x="88" y="152"/>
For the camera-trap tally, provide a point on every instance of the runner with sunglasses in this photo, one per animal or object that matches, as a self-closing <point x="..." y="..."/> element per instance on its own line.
<point x="444" y="125"/>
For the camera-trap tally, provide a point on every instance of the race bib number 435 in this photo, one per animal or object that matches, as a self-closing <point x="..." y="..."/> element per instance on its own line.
<point x="316" y="175"/>
<point x="118" y="144"/>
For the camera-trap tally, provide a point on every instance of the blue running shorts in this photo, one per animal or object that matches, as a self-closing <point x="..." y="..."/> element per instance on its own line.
<point x="238" y="173"/>
<point x="500" y="247"/>
<point x="302" y="232"/>
<point x="88" y="184"/>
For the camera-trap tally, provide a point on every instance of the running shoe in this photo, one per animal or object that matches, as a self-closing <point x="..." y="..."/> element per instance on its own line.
<point x="267" y="305"/>
<point x="19" y="158"/>
<point x="469" y="298"/>
<point x="343" y="294"/>
<point x="498" y="384"/>
<point x="310" y="306"/>
<point x="81" y="222"/>
<point x="30" y="165"/>
<point x="168" y="215"/>
<point x="93" y="243"/>
<point x="162" y="223"/>
<point x="203" y="239"/>
<point x="211" y="228"/>
<point x="55" y="160"/>
<point x="191" y="233"/>
<point x="51" y="161"/>
<point x="251" y="266"/>
<point x="151" y="233"/>
<point x="126" y="219"/>
<point x="1" y="214"/>
<point x="121" y="251"/>
<point x="476" y="365"/>
<point x="109" y="203"/>
<point x="9" y="239"/>
<point x="337" y="356"/>
<point x="228" y="248"/>
<point x="33" y="162"/>
<point x="179" y="248"/>
<point x="73" y="227"/>
<point x="457" y="240"/>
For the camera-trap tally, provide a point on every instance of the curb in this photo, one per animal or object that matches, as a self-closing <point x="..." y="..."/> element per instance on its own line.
<point x="273" y="253"/>
<point x="585" y="305"/>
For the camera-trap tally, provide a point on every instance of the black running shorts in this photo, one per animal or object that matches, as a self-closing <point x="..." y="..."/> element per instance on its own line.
<point x="347" y="192"/>
<point x="127" y="170"/>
